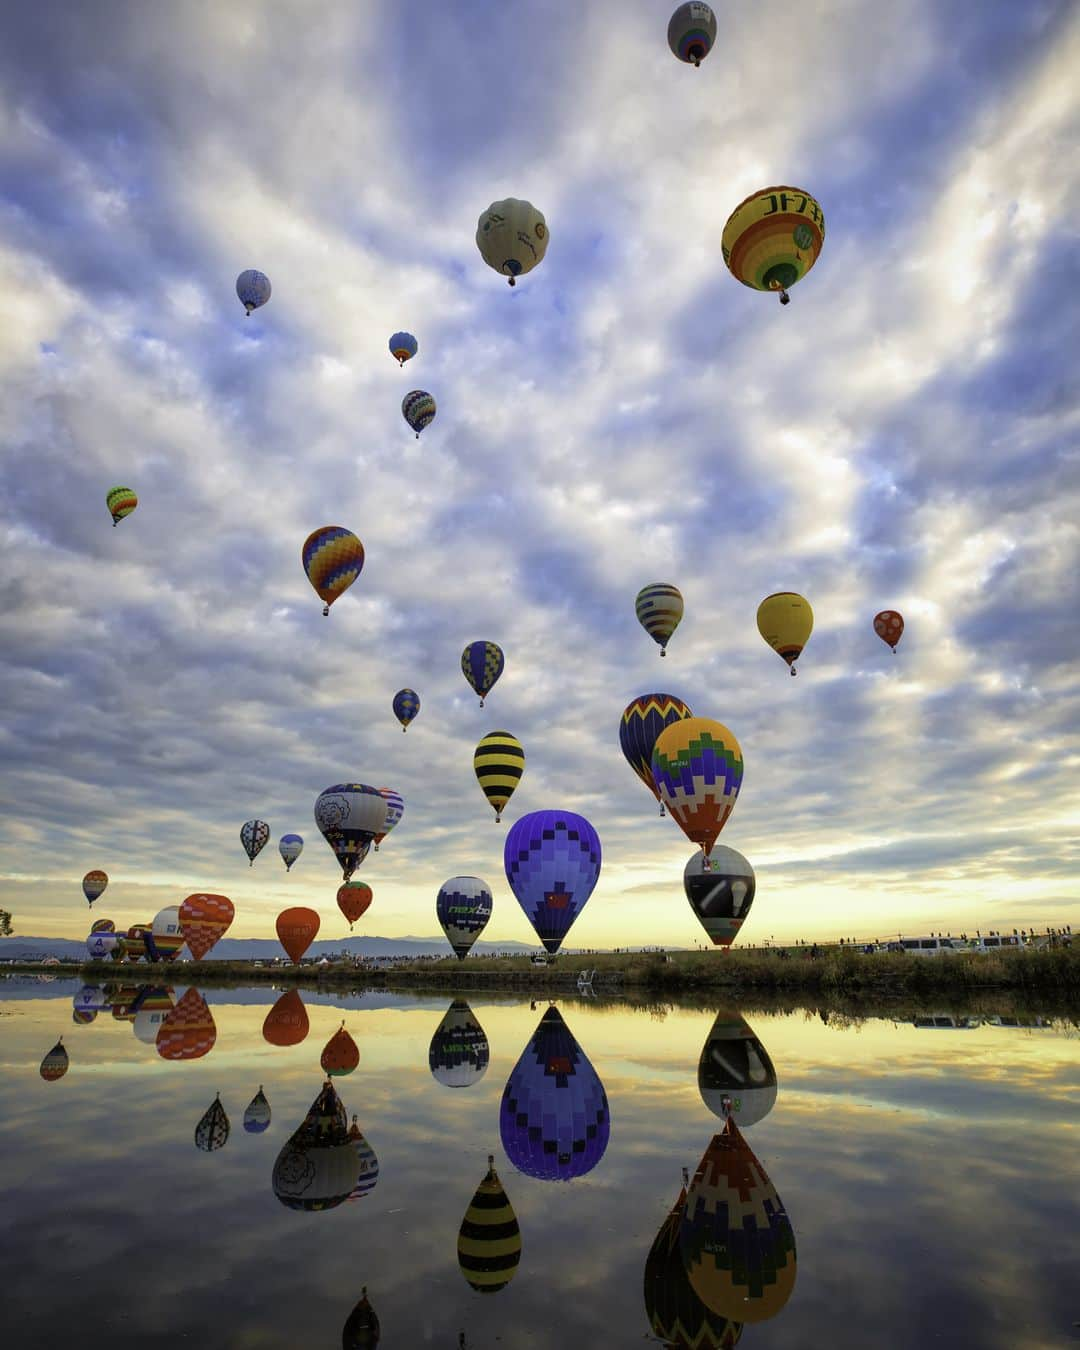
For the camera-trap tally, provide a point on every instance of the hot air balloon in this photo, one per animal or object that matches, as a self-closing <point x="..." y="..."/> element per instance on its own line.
<point x="253" y="836"/>
<point x="55" y="1063"/>
<point x="101" y="945"/>
<point x="166" y="936"/>
<point x="361" y="1329"/>
<point x="735" y="1237"/>
<point x="84" y="1016"/>
<point x="290" y="846"/>
<point x="93" y="885"/>
<point x="489" y="1240"/>
<point x="212" y="1131"/>
<point x="418" y="409"/>
<point x="91" y="997"/>
<point x="552" y="862"/>
<point x="203" y="919"/>
<point x="676" y="1314"/>
<point x="642" y="721"/>
<point x="124" y="999"/>
<point x="340" y="1054"/>
<point x="403" y="346"/>
<point x="395" y="809"/>
<point x="333" y="558"/>
<point x="353" y="899"/>
<point x="287" y="1021"/>
<point x="735" y="1075"/>
<point x="691" y="32"/>
<point x="659" y="608"/>
<point x="721" y="895"/>
<point x="463" y="907"/>
<point x="253" y="288"/>
<point x="458" y="1056"/>
<point x="121" y="501"/>
<point x="349" y="816"/>
<point x="366" y="1161"/>
<point x="406" y="706"/>
<point x="482" y="664"/>
<point x="554" y="1119"/>
<point x="133" y="942"/>
<point x="512" y="237"/>
<point x="773" y="238"/>
<point x="189" y="1031"/>
<point x="103" y="926"/>
<point x="785" y="620"/>
<point x="698" y="770"/>
<point x="317" y="1167"/>
<point x="152" y="1007"/>
<point x="296" y="929"/>
<point x="499" y="762"/>
<point x="888" y="625"/>
<point x="257" y="1114"/>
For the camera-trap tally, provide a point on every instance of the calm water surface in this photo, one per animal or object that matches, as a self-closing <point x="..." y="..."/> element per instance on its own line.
<point x="928" y="1177"/>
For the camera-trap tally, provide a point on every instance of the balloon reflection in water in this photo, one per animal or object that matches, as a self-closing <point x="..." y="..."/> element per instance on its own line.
<point x="83" y="1016"/>
<point x="257" y="1113"/>
<point x="361" y="1329"/>
<point x="735" y="1075"/>
<point x="212" y="1130"/>
<point x="317" y="1168"/>
<point x="554" y="1119"/>
<point x="188" y="1032"/>
<point x="675" y="1312"/>
<point x="287" y="1021"/>
<point x="152" y="1007"/>
<point x="458" y="1056"/>
<point x="90" y="998"/>
<point x="735" y="1236"/>
<point x="55" y="1063"/>
<point x="368" y="1163"/>
<point x="489" y="1241"/>
<point x="340" y="1054"/>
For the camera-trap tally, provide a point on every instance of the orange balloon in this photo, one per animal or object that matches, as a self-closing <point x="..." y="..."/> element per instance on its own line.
<point x="203" y="919"/>
<point x="889" y="626"/>
<point x="287" y="1021"/>
<point x="296" y="929"/>
<point x="353" y="899"/>
<point x="340" y="1054"/>
<point x="188" y="1031"/>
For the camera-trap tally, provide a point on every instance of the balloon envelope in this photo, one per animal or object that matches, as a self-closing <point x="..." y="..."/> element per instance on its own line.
<point x="403" y="346"/>
<point x="253" y="836"/>
<point x="773" y="238"/>
<point x="166" y="936"/>
<point x="554" y="1119"/>
<point x="720" y="897"/>
<point x="55" y="1063"/>
<point x="340" y="1054"/>
<point x="333" y="558"/>
<point x="499" y="762"/>
<point x="512" y="236"/>
<point x="121" y="501"/>
<point x="361" y="1329"/>
<point x="366" y="1161"/>
<point x="103" y="926"/>
<point x="642" y="722"/>
<point x="93" y="884"/>
<point x="418" y="409"/>
<point x="489" y="1240"/>
<point x="692" y="32"/>
<point x="888" y="625"/>
<point x="675" y="1312"/>
<point x="349" y="816"/>
<point x="290" y="846"/>
<point x="552" y="862"/>
<point x="296" y="930"/>
<point x="287" y="1021"/>
<point x="101" y="945"/>
<point x="698" y="770"/>
<point x="458" y="1056"/>
<point x="257" y="1113"/>
<point x="212" y="1131"/>
<point x="253" y="289"/>
<point x="736" y="1077"/>
<point x="463" y="907"/>
<point x="188" y="1031"/>
<point x="203" y="919"/>
<point x="406" y="706"/>
<point x="152" y="1007"/>
<point x="353" y="899"/>
<point x="90" y="996"/>
<point x="659" y="608"/>
<point x="785" y="620"/>
<point x="317" y="1167"/>
<point x="482" y="664"/>
<point x="395" y="809"/>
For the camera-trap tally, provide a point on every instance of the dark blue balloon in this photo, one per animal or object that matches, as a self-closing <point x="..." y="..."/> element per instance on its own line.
<point x="554" y="1119"/>
<point x="552" y="861"/>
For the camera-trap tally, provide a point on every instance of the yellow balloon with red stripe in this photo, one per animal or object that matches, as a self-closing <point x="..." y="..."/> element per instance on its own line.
<point x="785" y="620"/>
<point x="333" y="558"/>
<point x="773" y="238"/>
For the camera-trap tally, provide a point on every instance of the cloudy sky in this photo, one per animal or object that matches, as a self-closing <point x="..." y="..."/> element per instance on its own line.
<point x="904" y="434"/>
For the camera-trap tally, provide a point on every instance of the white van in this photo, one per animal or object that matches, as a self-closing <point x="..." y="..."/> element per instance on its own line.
<point x="931" y="946"/>
<point x="994" y="943"/>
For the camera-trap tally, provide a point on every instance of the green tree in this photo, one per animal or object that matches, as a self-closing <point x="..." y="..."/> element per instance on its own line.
<point x="5" y="923"/>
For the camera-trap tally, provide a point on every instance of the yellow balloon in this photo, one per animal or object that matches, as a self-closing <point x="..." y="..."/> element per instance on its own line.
<point x="785" y="620"/>
<point x="773" y="238"/>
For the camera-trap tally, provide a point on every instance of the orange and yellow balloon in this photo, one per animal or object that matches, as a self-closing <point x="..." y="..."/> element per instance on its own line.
<point x="333" y="558"/>
<point x="773" y="238"/>
<point x="698" y="770"/>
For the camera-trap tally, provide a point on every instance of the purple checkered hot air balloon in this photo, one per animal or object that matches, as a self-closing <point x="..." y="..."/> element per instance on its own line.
<point x="554" y="1118"/>
<point x="552" y="861"/>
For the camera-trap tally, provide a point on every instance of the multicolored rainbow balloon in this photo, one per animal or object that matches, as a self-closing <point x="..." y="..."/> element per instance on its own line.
<point x="333" y="558"/>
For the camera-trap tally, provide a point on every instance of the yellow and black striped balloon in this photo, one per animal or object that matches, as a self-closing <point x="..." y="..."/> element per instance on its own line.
<point x="499" y="762"/>
<point x="489" y="1243"/>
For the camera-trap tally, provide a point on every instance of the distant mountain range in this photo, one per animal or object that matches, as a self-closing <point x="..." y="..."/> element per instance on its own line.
<point x="265" y="949"/>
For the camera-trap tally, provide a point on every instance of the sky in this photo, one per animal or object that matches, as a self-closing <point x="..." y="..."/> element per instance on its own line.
<point x="902" y="435"/>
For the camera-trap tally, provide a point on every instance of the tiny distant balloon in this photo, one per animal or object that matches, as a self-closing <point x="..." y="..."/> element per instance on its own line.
<point x="721" y="895"/>
<point x="287" y="1021"/>
<point x="212" y="1131"/>
<point x="785" y="620"/>
<point x="290" y="846"/>
<point x="204" y="919"/>
<point x="698" y="771"/>
<point x="692" y="32"/>
<point x="94" y="884"/>
<point x="121" y="501"/>
<point x="463" y="907"/>
<point x="166" y="936"/>
<point x="458" y="1054"/>
<point x="361" y="1330"/>
<point x="55" y="1063"/>
<point x="253" y="289"/>
<point x="395" y="809"/>
<point x="642" y="721"/>
<point x="489" y="1240"/>
<point x="257" y="1113"/>
<point x="736" y="1077"/>
<point x="349" y="816"/>
<point x="482" y="664"/>
<point x="296" y="930"/>
<point x="189" y="1030"/>
<point x="353" y="899"/>
<point x="889" y="626"/>
<point x="333" y="558"/>
<point x="406" y="706"/>
<point x="340" y="1054"/>
<point x="367" y="1161"/>
<point x="253" y="836"/>
<point x="317" y="1168"/>
<point x="552" y="862"/>
<point x="499" y="762"/>
<point x="403" y="346"/>
<point x="512" y="237"/>
<point x="773" y="238"/>
<point x="659" y="608"/>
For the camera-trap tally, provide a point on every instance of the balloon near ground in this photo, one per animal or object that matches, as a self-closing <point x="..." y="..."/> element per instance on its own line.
<point x="720" y="895"/>
<point x="552" y="862"/>
<point x="103" y="926"/>
<point x="773" y="238"/>
<point x="406" y="706"/>
<point x="482" y="664"/>
<point x="257" y="1113"/>
<point x="698" y="770"/>
<point x="349" y="816"/>
<point x="489" y="1240"/>
<point x="659" y="609"/>
<point x="317" y="1168"/>
<point x="287" y="1021"/>
<point x="889" y="626"/>
<point x="403" y="346"/>
<point x="395" y="809"/>
<point x="418" y="409"/>
<point x="499" y="762"/>
<point x="296" y="930"/>
<point x="692" y="32"/>
<point x="204" y="919"/>
<point x="333" y="558"/>
<point x="735" y="1075"/>
<point x="253" y="836"/>
<point x="353" y="899"/>
<point x="642" y="722"/>
<point x="166" y="936"/>
<point x="554" y="1120"/>
<point x="55" y="1063"/>
<point x="458" y="1054"/>
<point x="121" y="501"/>
<point x="785" y="620"/>
<point x="189" y="1031"/>
<point x="463" y="907"/>
<point x="212" y="1131"/>
<point x="512" y="237"/>
<point x="94" y="884"/>
<point x="101" y="945"/>
<point x="253" y="289"/>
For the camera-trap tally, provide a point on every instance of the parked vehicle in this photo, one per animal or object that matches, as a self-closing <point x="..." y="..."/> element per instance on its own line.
<point x="930" y="946"/>
<point x="994" y="943"/>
